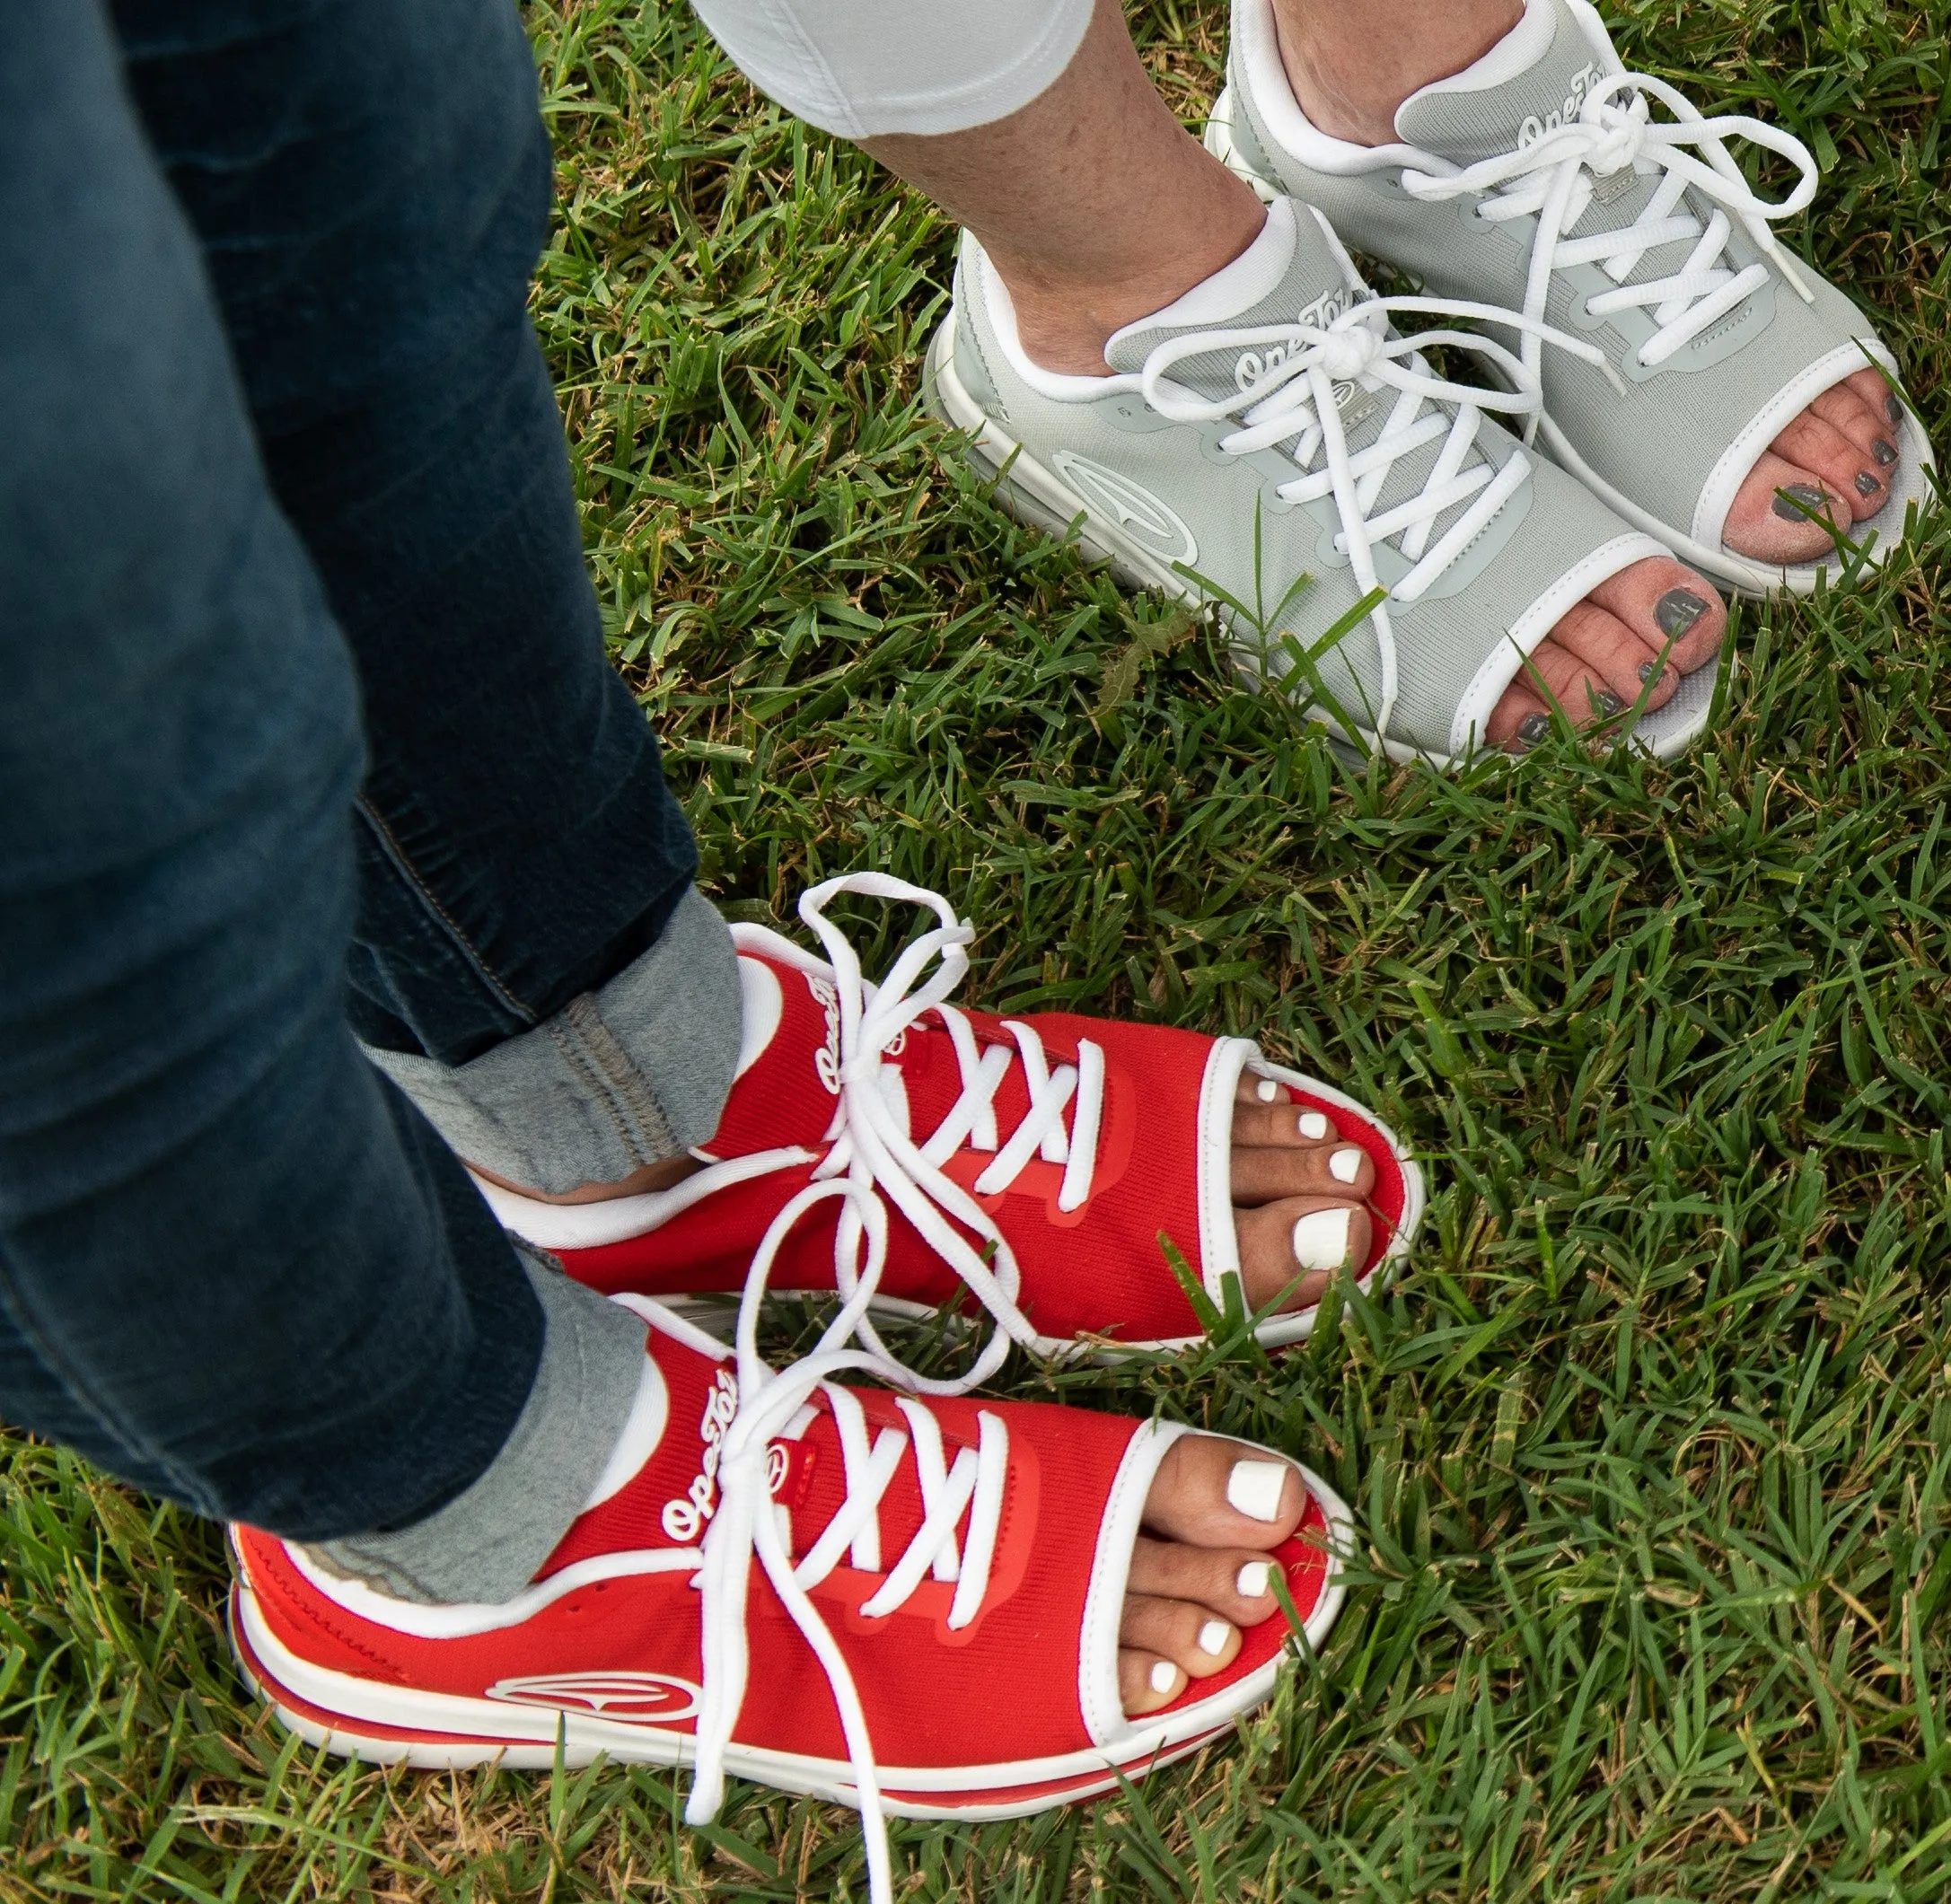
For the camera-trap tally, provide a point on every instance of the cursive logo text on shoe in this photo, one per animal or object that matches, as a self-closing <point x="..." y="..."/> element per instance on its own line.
<point x="826" y="1061"/>
<point x="1255" y="366"/>
<point x="1583" y="82"/>
<point x="685" y="1514"/>
<point x="624" y="1697"/>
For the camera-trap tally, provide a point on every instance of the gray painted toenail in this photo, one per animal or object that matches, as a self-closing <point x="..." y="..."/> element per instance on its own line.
<point x="1786" y="501"/>
<point x="1677" y="610"/>
<point x="1892" y="409"/>
<point x="1884" y="452"/>
<point x="1648" y="670"/>
<point x="1608" y="703"/>
<point x="1534" y="728"/>
<point x="1867" y="484"/>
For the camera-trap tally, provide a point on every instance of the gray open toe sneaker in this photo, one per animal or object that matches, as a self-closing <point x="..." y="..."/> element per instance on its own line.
<point x="1538" y="179"/>
<point x="1272" y="426"/>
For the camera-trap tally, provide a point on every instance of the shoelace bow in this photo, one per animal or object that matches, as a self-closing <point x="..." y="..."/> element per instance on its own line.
<point x="746" y="1526"/>
<point x="871" y="1142"/>
<point x="873" y="1161"/>
<point x="1296" y="404"/>
<point x="1556" y="178"/>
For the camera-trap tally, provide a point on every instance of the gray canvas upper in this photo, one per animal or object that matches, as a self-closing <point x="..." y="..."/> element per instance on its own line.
<point x="1173" y="507"/>
<point x="1669" y="448"/>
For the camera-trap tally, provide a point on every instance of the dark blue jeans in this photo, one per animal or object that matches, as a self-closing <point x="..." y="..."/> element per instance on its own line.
<point x="306" y="737"/>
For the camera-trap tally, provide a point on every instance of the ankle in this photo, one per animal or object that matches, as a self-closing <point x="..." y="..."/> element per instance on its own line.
<point x="653" y="1177"/>
<point x="1350" y="83"/>
<point x="1063" y="323"/>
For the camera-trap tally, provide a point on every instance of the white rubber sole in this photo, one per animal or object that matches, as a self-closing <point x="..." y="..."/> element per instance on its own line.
<point x="379" y="1723"/>
<point x="1743" y="575"/>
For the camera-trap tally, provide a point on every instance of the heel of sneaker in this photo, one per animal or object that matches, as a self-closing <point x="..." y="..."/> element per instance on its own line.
<point x="1219" y="142"/>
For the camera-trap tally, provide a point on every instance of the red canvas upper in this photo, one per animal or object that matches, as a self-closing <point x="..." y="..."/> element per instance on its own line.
<point x="1002" y="1690"/>
<point x="1099" y="1268"/>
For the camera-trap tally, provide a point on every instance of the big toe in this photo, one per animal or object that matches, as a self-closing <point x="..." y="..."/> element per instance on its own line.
<point x="1675" y="618"/>
<point x="1224" y="1493"/>
<point x="1290" y="1250"/>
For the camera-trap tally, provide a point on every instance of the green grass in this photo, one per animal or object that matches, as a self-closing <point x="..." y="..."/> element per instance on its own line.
<point x="1650" y="1450"/>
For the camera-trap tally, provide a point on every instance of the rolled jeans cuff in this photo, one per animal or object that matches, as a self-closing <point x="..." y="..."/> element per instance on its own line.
<point x="631" y="1074"/>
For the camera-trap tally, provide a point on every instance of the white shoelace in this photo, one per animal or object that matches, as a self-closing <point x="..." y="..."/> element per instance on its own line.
<point x="873" y="1161"/>
<point x="746" y="1525"/>
<point x="872" y="1147"/>
<point x="1295" y="403"/>
<point x="1556" y="178"/>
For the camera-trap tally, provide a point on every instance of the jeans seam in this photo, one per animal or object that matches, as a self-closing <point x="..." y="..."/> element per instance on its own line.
<point x="396" y="853"/>
<point x="587" y="1045"/>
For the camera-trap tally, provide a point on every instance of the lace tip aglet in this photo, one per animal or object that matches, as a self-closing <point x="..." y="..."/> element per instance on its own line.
<point x="1613" y="377"/>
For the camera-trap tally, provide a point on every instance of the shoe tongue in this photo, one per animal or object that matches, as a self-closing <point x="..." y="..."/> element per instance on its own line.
<point x="1290" y="274"/>
<point x="1532" y="82"/>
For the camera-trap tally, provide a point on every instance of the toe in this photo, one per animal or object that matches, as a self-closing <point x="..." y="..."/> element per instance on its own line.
<point x="1846" y="469"/>
<point x="1255" y="1090"/>
<point x="1864" y="426"/>
<point x="1882" y="402"/>
<point x="1223" y="1494"/>
<point x="1336" y="1171"/>
<point x="1290" y="1250"/>
<point x="1235" y="1583"/>
<point x="1194" y="1637"/>
<point x="1551" y="673"/>
<point x="1520" y="720"/>
<point x="1147" y="1682"/>
<point x="1609" y="649"/>
<point x="1283" y="1126"/>
<point x="1672" y="612"/>
<point x="1765" y="521"/>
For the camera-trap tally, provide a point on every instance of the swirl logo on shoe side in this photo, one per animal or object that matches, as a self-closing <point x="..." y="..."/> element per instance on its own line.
<point x="1136" y="512"/>
<point x="629" y="1698"/>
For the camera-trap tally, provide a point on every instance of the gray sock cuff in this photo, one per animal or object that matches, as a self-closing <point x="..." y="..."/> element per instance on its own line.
<point x="629" y="1074"/>
<point x="487" y="1543"/>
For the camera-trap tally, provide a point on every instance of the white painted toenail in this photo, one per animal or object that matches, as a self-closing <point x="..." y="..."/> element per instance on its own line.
<point x="1321" y="1240"/>
<point x="1164" y="1675"/>
<point x="1345" y="1165"/>
<point x="1254" y="1578"/>
<point x="1212" y="1639"/>
<point x="1255" y="1488"/>
<point x="1266" y="1090"/>
<point x="1314" y="1124"/>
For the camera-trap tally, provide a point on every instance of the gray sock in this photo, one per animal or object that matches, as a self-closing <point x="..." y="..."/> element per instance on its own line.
<point x="486" y="1544"/>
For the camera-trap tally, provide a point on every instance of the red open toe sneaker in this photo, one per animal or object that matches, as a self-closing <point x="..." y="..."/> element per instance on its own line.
<point x="818" y="1588"/>
<point x="1031" y="1163"/>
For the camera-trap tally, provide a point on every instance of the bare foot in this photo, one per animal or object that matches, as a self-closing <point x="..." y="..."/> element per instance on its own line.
<point x="1198" y="1572"/>
<point x="1839" y="457"/>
